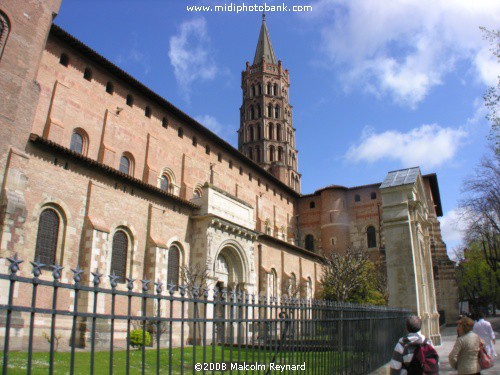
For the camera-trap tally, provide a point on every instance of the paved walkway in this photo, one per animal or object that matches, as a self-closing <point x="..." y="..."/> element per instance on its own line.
<point x="448" y="337"/>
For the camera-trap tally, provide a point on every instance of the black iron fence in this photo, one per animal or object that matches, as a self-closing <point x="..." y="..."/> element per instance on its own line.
<point x="51" y="325"/>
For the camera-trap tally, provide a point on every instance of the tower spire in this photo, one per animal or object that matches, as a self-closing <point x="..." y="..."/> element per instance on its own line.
<point x="264" y="47"/>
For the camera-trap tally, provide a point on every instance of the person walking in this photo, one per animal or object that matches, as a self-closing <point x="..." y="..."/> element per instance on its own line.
<point x="483" y="329"/>
<point x="414" y="354"/>
<point x="464" y="355"/>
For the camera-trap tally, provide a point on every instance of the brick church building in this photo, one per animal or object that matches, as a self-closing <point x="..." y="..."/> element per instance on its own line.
<point x="100" y="171"/>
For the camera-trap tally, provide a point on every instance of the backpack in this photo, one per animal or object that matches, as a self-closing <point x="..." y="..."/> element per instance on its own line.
<point x="425" y="360"/>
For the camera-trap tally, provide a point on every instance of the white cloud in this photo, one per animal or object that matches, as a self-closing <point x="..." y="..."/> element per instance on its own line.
<point x="211" y="123"/>
<point x="404" y="48"/>
<point x="189" y="54"/>
<point x="453" y="226"/>
<point x="135" y="56"/>
<point x="427" y="146"/>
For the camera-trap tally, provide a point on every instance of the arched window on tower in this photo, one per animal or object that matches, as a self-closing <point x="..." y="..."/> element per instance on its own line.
<point x="119" y="255"/>
<point x="277" y="111"/>
<point x="269" y="88"/>
<point x="278" y="132"/>
<point x="250" y="134"/>
<point x="252" y="112"/>
<point x="280" y="154"/>
<point x="165" y="183"/>
<point x="260" y="88"/>
<point x="47" y="237"/>
<point x="173" y="266"/>
<point x="309" y="242"/>
<point x="270" y="110"/>
<point x="76" y="142"/>
<point x="253" y="90"/>
<point x="371" y="236"/>
<point x="250" y="153"/>
<point x="257" y="154"/>
<point x="259" y="111"/>
<point x="275" y="89"/>
<point x="259" y="133"/>
<point x="271" y="131"/>
<point x="271" y="153"/>
<point x="126" y="165"/>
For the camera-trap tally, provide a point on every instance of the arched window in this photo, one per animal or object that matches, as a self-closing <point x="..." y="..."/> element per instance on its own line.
<point x="64" y="60"/>
<point x="173" y="266"/>
<point x="275" y="89"/>
<point x="357" y="198"/>
<point x="278" y="132"/>
<point x="271" y="131"/>
<point x="119" y="255"/>
<point x="277" y="111"/>
<point x="126" y="165"/>
<point x="130" y="100"/>
<point x="259" y="111"/>
<point x="260" y="89"/>
<point x="250" y="153"/>
<point x="165" y="183"/>
<point x="147" y="112"/>
<point x="272" y="278"/>
<point x="87" y="74"/>
<point x="257" y="154"/>
<point x="259" y="135"/>
<point x="271" y="153"/>
<point x="47" y="237"/>
<point x="253" y="90"/>
<point x="270" y="110"/>
<point x="250" y="134"/>
<point x="110" y="88"/>
<point x="310" y="242"/>
<point x="269" y="88"/>
<point x="78" y="142"/>
<point x="195" y="141"/>
<point x="180" y="133"/>
<point x="252" y="112"/>
<point x="4" y="31"/>
<point x="371" y="236"/>
<point x="294" y="165"/>
<point x="198" y="192"/>
<point x="280" y="154"/>
<point x="373" y="195"/>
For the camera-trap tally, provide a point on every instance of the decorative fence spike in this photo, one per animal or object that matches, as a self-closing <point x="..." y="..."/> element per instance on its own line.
<point x="14" y="264"/>
<point x="56" y="273"/>
<point x="77" y="274"/>
<point x="37" y="267"/>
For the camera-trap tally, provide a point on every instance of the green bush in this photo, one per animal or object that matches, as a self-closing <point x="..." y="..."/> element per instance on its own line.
<point x="136" y="338"/>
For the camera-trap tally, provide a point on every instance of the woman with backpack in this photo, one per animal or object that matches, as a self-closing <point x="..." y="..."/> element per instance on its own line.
<point x="464" y="355"/>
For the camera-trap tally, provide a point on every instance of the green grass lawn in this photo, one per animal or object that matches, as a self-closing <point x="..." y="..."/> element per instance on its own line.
<point x="181" y="363"/>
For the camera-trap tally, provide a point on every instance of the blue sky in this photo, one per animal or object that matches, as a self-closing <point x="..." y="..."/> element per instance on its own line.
<point x="375" y="86"/>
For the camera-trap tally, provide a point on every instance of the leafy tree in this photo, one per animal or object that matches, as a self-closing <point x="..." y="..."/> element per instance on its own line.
<point x="477" y="282"/>
<point x="352" y="277"/>
<point x="492" y="96"/>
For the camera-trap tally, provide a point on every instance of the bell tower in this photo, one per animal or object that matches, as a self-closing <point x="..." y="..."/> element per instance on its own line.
<point x="266" y="133"/>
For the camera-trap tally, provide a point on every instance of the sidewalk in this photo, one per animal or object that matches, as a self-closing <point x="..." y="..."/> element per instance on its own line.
<point x="448" y="337"/>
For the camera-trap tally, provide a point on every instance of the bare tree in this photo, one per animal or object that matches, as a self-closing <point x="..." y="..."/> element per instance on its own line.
<point x="194" y="277"/>
<point x="481" y="208"/>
